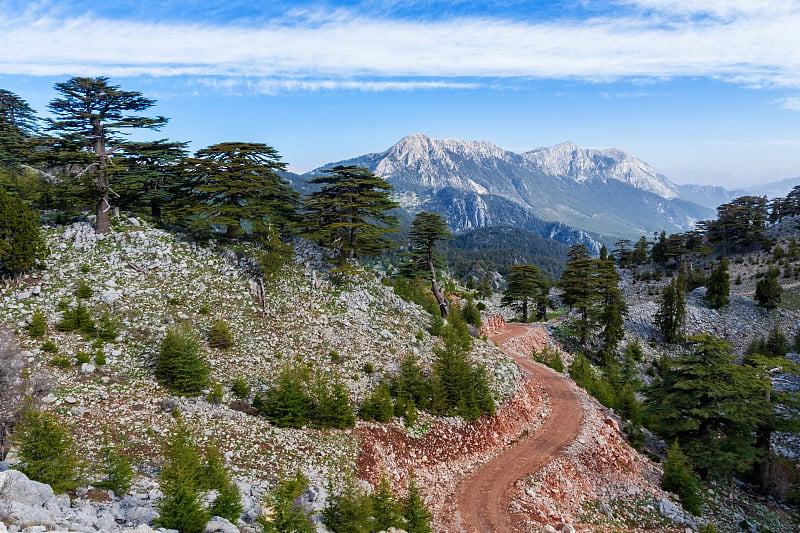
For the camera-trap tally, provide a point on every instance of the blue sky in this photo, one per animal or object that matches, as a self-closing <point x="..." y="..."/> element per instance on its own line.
<point x="706" y="92"/>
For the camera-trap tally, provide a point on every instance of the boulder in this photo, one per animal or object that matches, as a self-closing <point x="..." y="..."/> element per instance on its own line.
<point x="220" y="525"/>
<point x="16" y="487"/>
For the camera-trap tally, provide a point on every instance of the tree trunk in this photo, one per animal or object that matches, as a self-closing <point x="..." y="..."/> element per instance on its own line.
<point x="102" y="223"/>
<point x="524" y="311"/>
<point x="437" y="291"/>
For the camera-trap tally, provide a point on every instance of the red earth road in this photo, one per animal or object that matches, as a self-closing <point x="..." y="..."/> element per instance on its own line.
<point x="484" y="497"/>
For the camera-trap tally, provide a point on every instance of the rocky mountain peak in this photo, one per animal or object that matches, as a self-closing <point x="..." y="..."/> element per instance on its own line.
<point x="567" y="160"/>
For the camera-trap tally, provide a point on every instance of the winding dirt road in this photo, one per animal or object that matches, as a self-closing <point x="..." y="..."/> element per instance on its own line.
<point x="484" y="497"/>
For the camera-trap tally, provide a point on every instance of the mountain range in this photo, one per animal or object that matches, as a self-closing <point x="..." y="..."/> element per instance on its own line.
<point x="563" y="192"/>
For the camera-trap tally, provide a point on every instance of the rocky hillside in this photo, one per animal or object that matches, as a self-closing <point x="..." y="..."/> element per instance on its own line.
<point x="149" y="279"/>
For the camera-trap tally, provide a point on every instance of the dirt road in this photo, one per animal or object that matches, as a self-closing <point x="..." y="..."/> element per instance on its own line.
<point x="484" y="497"/>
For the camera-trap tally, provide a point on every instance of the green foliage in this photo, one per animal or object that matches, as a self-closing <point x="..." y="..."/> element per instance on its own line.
<point x="185" y="474"/>
<point x="349" y="509"/>
<point x="549" y="356"/>
<point x="411" y="387"/>
<point x="117" y="469"/>
<point x="671" y="315"/>
<point x="712" y="405"/>
<point x="768" y="291"/>
<point x="38" y="326"/>
<point x="215" y="394"/>
<point x="427" y="229"/>
<point x="49" y="346"/>
<point x="718" y="287"/>
<point x="107" y="327"/>
<point x="77" y="318"/>
<point x="82" y="358"/>
<point x="526" y="286"/>
<point x="240" y="388"/>
<point x="61" y="361"/>
<point x="86" y="106"/>
<point x="417" y="515"/>
<point x="287" y="517"/>
<point x="498" y="248"/>
<point x="219" y="335"/>
<point x="680" y="479"/>
<point x="378" y="405"/>
<point x="458" y="386"/>
<point x="287" y="403"/>
<point x="21" y="243"/>
<point x="46" y="449"/>
<point x="349" y="213"/>
<point x="331" y="403"/>
<point x="272" y="254"/>
<point x="591" y="286"/>
<point x="99" y="358"/>
<point x="385" y="508"/>
<point x="180" y="365"/>
<point x="471" y="313"/>
<point x="148" y="174"/>
<point x="237" y="185"/>
<point x="84" y="291"/>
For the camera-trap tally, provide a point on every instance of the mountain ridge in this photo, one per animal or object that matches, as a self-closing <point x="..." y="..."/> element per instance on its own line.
<point x="608" y="194"/>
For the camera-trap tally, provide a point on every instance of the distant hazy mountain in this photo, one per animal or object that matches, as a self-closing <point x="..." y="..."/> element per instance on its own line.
<point x="607" y="194"/>
<point x="712" y="196"/>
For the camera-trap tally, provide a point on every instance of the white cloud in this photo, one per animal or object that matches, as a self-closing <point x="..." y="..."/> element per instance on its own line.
<point x="749" y="47"/>
<point x="793" y="103"/>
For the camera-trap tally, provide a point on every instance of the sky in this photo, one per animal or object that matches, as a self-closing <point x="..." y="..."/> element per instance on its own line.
<point x="705" y="91"/>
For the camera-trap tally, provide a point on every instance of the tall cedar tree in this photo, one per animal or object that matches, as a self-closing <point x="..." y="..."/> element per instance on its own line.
<point x="92" y="115"/>
<point x="46" y="449"/>
<point x="237" y="185"/>
<point x="349" y="213"/>
<point x="591" y="286"/>
<point x="18" y="124"/>
<point x="427" y="229"/>
<point x="712" y="405"/>
<point x="671" y="315"/>
<point x="526" y="286"/>
<point x="718" y="288"/>
<point x="767" y="359"/>
<point x="21" y="244"/>
<point x="150" y="174"/>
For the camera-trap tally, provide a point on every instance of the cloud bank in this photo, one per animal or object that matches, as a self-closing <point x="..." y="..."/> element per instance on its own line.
<point x="751" y="43"/>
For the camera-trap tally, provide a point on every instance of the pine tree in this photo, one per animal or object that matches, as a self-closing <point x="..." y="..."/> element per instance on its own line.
<point x="21" y="243"/>
<point x="417" y="515"/>
<point x="219" y="335"/>
<point x="118" y="471"/>
<point x="526" y="286"/>
<point x="149" y="174"/>
<point x="378" y="406"/>
<point x="712" y="405"/>
<point x="90" y="116"/>
<point x="679" y="478"/>
<point x="180" y="366"/>
<point x="331" y="407"/>
<point x="349" y="509"/>
<point x="349" y="213"/>
<point x="718" y="288"/>
<point x="768" y="290"/>
<point x="18" y="125"/>
<point x="286" y="516"/>
<point x="237" y="186"/>
<point x="671" y="314"/>
<point x="386" y="509"/>
<point x="428" y="229"/>
<point x="46" y="450"/>
<point x="38" y="326"/>
<point x="287" y="403"/>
